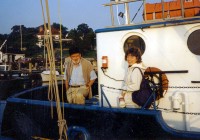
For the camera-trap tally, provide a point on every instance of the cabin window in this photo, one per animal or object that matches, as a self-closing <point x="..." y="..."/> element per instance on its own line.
<point x="134" y="41"/>
<point x="193" y="42"/>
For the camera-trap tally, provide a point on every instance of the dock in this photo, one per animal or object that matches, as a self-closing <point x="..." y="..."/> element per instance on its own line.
<point x="19" y="73"/>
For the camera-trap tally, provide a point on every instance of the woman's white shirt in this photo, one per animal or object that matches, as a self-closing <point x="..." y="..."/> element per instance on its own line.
<point x="133" y="77"/>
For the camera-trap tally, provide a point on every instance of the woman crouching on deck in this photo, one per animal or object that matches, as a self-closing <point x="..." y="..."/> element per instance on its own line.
<point x="133" y="77"/>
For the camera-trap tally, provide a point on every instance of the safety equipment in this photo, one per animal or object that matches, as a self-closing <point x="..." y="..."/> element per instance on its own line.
<point x="105" y="62"/>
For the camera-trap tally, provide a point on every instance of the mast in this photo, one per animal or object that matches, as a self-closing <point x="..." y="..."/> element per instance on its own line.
<point x="3" y="44"/>
<point x="126" y="8"/>
<point x="21" y="35"/>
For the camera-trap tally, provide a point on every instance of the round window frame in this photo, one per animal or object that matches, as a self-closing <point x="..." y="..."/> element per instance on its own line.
<point x="141" y="47"/>
<point x="194" y="48"/>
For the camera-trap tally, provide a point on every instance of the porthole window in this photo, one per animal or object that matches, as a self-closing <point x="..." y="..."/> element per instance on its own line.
<point x="193" y="42"/>
<point x="134" y="41"/>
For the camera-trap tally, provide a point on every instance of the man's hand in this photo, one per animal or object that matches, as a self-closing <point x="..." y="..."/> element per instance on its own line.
<point x="123" y="93"/>
<point x="89" y="84"/>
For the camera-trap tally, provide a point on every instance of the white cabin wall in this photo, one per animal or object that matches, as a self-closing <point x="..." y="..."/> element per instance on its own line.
<point x="166" y="49"/>
<point x="171" y="53"/>
<point x="110" y="46"/>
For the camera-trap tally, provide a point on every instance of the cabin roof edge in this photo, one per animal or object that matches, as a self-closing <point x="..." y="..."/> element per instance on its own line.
<point x="150" y="25"/>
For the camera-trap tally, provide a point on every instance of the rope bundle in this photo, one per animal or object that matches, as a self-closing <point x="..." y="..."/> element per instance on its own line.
<point x="53" y="91"/>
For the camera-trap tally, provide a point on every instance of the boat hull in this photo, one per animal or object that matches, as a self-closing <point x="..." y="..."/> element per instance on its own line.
<point x="9" y="86"/>
<point x="28" y="115"/>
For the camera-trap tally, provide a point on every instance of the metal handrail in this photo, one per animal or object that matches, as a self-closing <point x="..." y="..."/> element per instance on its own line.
<point x="104" y="95"/>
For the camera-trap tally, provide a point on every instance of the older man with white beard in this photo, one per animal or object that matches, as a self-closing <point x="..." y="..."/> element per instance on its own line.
<point x="79" y="76"/>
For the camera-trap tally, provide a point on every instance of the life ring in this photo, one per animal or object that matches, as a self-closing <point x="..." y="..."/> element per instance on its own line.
<point x="77" y="133"/>
<point x="159" y="78"/>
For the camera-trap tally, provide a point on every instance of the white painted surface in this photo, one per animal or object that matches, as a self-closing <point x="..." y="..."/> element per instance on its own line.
<point x="46" y="76"/>
<point x="166" y="49"/>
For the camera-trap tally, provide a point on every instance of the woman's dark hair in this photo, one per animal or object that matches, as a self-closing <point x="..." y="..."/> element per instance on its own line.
<point x="74" y="50"/>
<point x="134" y="52"/>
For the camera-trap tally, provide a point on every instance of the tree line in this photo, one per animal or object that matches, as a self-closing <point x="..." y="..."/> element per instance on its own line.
<point x="24" y="39"/>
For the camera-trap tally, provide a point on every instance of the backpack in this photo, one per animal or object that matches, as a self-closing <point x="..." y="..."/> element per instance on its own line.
<point x="144" y="96"/>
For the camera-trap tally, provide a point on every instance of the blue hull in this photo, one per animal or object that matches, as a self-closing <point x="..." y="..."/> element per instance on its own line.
<point x="28" y="115"/>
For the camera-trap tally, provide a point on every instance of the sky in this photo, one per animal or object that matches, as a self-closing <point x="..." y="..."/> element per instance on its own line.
<point x="72" y="13"/>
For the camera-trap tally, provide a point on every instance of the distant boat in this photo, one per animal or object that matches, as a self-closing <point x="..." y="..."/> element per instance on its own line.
<point x="14" y="81"/>
<point x="46" y="76"/>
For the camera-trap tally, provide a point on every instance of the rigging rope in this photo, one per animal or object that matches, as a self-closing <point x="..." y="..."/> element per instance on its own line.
<point x="117" y="15"/>
<point x="53" y="85"/>
<point x="138" y="11"/>
<point x="46" y="44"/>
<point x="61" y="63"/>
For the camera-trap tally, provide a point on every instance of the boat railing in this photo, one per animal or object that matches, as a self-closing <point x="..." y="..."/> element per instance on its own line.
<point x="156" y="11"/>
<point x="103" y="96"/>
<point x="157" y="88"/>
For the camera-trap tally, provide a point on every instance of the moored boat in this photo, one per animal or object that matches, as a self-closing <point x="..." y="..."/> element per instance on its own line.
<point x="46" y="76"/>
<point x="170" y="48"/>
<point x="13" y="81"/>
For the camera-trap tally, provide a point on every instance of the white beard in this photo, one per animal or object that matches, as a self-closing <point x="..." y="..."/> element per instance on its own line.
<point x="76" y="62"/>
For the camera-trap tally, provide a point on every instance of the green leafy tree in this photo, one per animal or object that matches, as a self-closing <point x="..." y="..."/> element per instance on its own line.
<point x="63" y="29"/>
<point x="14" y="40"/>
<point x="83" y="37"/>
